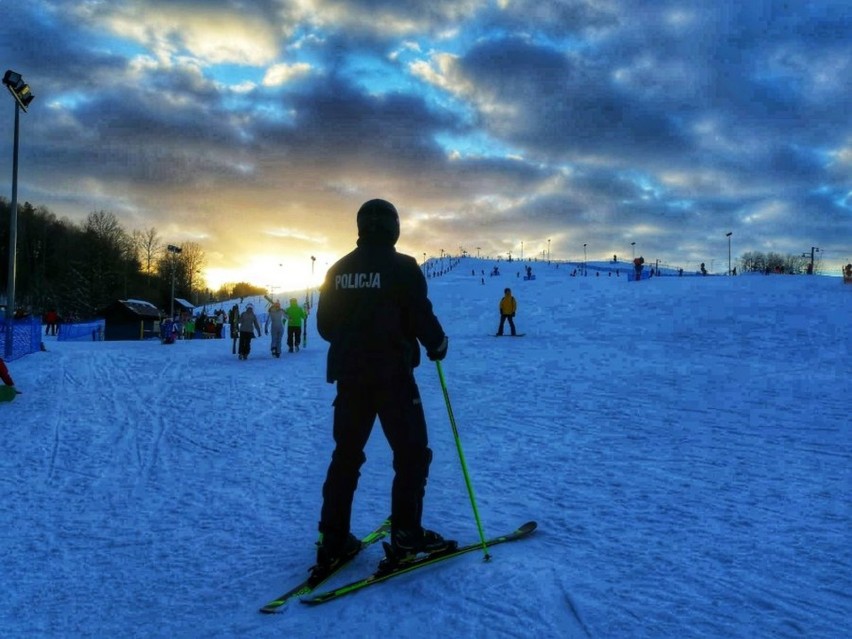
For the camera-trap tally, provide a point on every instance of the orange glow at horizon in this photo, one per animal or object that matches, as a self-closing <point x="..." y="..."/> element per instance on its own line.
<point x="277" y="275"/>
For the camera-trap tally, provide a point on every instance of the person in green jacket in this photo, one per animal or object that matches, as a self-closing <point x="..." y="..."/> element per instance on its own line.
<point x="295" y="316"/>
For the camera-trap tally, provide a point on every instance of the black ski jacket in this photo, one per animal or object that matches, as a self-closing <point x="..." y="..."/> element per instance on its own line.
<point x="373" y="308"/>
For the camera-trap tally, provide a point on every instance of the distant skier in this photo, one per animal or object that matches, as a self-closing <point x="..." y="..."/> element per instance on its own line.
<point x="638" y="265"/>
<point x="295" y="316"/>
<point x="51" y="319"/>
<point x="248" y="324"/>
<point x="275" y="317"/>
<point x="508" y="308"/>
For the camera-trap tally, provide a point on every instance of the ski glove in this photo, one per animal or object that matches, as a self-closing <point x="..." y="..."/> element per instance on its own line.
<point x="439" y="353"/>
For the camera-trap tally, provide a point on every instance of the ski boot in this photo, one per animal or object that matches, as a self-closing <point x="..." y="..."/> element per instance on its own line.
<point x="406" y="545"/>
<point x="333" y="550"/>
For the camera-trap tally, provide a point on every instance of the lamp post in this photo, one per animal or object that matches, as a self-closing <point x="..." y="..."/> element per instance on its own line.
<point x="814" y="249"/>
<point x="23" y="96"/>
<point x="313" y="261"/>
<point x="728" y="235"/>
<point x="522" y="251"/>
<point x="173" y="250"/>
<point x="633" y="246"/>
<point x="548" y="249"/>
<point x="585" y="259"/>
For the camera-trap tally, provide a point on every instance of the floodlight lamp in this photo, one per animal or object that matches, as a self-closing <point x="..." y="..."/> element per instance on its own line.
<point x="25" y="96"/>
<point x="18" y="88"/>
<point x="13" y="80"/>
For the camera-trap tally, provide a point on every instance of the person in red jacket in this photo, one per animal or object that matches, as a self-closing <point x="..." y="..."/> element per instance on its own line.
<point x="51" y="320"/>
<point x="8" y="391"/>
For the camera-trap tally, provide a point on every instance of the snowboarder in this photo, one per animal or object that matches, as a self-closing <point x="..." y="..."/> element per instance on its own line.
<point x="373" y="309"/>
<point x="508" y="308"/>
<point x="295" y="316"/>
<point x="275" y="317"/>
<point x="247" y="325"/>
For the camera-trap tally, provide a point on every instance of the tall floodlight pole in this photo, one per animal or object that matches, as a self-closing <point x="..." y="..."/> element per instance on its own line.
<point x="811" y="267"/>
<point x="585" y="259"/>
<point x="548" y="249"/>
<point x="173" y="250"/>
<point x="728" y="234"/>
<point x="23" y="96"/>
<point x="633" y="246"/>
<point x="313" y="261"/>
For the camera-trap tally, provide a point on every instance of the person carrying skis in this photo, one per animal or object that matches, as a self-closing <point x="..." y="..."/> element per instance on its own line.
<point x="275" y="317"/>
<point x="248" y="324"/>
<point x="234" y="324"/>
<point x="295" y="316"/>
<point x="373" y="310"/>
<point x="508" y="308"/>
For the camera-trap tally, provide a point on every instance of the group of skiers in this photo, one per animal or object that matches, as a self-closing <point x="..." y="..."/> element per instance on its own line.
<point x="244" y="326"/>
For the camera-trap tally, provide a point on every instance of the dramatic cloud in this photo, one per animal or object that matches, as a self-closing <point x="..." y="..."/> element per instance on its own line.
<point x="258" y="128"/>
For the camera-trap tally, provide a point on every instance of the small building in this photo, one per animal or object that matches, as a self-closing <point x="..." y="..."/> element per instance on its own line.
<point x="131" y="319"/>
<point x="182" y="306"/>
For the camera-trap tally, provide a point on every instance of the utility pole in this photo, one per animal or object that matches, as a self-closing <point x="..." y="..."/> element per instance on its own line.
<point x="23" y="96"/>
<point x="174" y="250"/>
<point x="728" y="234"/>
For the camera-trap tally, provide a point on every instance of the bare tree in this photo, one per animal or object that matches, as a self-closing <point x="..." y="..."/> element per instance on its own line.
<point x="192" y="259"/>
<point x="148" y="245"/>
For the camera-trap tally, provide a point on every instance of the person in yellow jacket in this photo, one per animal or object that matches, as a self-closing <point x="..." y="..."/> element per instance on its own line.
<point x="508" y="307"/>
<point x="295" y="316"/>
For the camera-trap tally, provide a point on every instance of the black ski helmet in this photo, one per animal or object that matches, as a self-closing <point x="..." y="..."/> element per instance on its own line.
<point x="378" y="221"/>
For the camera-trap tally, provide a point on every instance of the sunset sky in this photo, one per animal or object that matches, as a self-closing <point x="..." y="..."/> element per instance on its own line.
<point x="257" y="128"/>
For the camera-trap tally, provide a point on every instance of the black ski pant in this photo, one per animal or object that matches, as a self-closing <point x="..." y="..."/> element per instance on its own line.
<point x="294" y="336"/>
<point x="396" y="402"/>
<point x="503" y="318"/>
<point x="245" y="342"/>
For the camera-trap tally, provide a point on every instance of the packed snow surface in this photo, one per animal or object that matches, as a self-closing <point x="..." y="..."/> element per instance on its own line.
<point x="683" y="443"/>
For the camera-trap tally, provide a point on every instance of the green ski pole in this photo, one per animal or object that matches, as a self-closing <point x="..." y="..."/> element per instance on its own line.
<point x="463" y="463"/>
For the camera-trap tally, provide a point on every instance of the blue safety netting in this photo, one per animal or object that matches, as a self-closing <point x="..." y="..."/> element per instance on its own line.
<point x="19" y="337"/>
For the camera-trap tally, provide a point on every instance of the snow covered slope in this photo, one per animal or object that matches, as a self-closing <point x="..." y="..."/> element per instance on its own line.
<point x="684" y="444"/>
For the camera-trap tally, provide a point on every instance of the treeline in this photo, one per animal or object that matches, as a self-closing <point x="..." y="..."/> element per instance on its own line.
<point x="757" y="262"/>
<point x="79" y="268"/>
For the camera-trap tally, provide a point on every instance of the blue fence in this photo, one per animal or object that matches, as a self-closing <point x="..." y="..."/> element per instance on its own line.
<point x="20" y="337"/>
<point x="631" y="275"/>
<point x="82" y="331"/>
